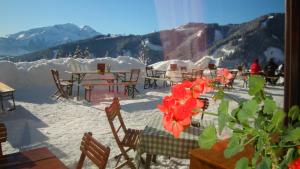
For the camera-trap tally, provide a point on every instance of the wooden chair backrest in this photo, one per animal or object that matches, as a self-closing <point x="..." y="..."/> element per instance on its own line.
<point x="112" y="113"/>
<point x="56" y="79"/>
<point x="206" y="103"/>
<point x="134" y="75"/>
<point x="101" y="67"/>
<point x="173" y="67"/>
<point x="94" y="150"/>
<point x="211" y="66"/>
<point x="3" y="136"/>
<point x="240" y="68"/>
<point x="197" y="73"/>
<point x="234" y="73"/>
<point x="183" y="68"/>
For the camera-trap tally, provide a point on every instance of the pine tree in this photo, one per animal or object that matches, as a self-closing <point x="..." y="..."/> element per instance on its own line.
<point x="58" y="54"/>
<point x="77" y="53"/>
<point x="143" y="55"/>
<point x="106" y="54"/>
<point x="87" y="54"/>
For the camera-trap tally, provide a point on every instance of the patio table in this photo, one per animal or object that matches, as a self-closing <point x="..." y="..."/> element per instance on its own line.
<point x="79" y="76"/>
<point x="154" y="140"/>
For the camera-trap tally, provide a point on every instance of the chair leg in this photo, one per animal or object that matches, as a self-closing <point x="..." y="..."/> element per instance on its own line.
<point x="13" y="99"/>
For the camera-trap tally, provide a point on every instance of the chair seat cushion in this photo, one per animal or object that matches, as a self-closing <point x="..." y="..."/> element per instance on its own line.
<point x="131" y="138"/>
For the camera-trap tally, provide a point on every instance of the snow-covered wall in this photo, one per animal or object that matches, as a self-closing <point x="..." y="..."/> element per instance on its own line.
<point x="37" y="73"/>
<point x="164" y="65"/>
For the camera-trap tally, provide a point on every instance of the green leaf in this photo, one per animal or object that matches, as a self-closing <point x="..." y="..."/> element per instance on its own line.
<point x="287" y="158"/>
<point x="235" y="111"/>
<point x="242" y="163"/>
<point x="293" y="135"/>
<point x="265" y="163"/>
<point x="260" y="143"/>
<point x="256" y="84"/>
<point x="219" y="95"/>
<point x="277" y="120"/>
<point x="208" y="137"/>
<point x="294" y="112"/>
<point x="269" y="106"/>
<point x="233" y="147"/>
<point x="248" y="110"/>
<point x="255" y="157"/>
<point x="223" y="114"/>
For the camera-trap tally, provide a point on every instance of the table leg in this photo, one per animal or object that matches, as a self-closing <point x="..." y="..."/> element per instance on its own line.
<point x="148" y="161"/>
<point x="78" y="82"/>
<point x="1" y="99"/>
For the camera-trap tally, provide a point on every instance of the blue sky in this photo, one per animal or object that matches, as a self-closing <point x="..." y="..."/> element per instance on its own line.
<point x="129" y="16"/>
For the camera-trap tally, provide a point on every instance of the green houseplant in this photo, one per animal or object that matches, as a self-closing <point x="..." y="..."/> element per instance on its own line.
<point x="259" y="122"/>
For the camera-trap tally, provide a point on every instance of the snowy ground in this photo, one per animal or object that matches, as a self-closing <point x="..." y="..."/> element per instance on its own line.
<point x="59" y="125"/>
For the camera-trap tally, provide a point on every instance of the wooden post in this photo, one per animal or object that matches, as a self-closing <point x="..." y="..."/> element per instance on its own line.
<point x="292" y="54"/>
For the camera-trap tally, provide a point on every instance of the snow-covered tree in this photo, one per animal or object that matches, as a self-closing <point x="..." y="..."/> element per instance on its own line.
<point x="77" y="53"/>
<point x="69" y="55"/>
<point x="106" y="54"/>
<point x="58" y="54"/>
<point x="143" y="55"/>
<point x="87" y="54"/>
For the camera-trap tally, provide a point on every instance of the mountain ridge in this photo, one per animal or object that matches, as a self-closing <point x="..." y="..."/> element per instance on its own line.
<point x="225" y="44"/>
<point x="35" y="39"/>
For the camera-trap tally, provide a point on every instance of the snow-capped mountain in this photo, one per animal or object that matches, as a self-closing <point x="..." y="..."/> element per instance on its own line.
<point x="42" y="38"/>
<point x="224" y="45"/>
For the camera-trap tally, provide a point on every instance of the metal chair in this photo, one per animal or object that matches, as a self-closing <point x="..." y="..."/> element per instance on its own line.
<point x="94" y="150"/>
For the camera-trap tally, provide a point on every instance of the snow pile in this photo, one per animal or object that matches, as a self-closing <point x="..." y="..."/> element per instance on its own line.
<point x="199" y="33"/>
<point x="205" y="60"/>
<point x="37" y="73"/>
<point x="275" y="53"/>
<point x="227" y="51"/>
<point x="165" y="65"/>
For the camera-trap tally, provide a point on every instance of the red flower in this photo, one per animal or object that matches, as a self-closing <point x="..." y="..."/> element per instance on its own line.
<point x="298" y="146"/>
<point x="223" y="76"/>
<point x="175" y="127"/>
<point x="179" y="108"/>
<point x="295" y="164"/>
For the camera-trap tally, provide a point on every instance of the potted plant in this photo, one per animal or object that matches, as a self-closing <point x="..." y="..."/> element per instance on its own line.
<point x="258" y="121"/>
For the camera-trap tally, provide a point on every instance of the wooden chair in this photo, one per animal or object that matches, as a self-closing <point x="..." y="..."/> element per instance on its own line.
<point x="149" y="75"/>
<point x="130" y="85"/>
<point x="196" y="73"/>
<point x="173" y="67"/>
<point x="130" y="136"/>
<point x="64" y="87"/>
<point x="94" y="150"/>
<point x="206" y="104"/>
<point x="183" y="68"/>
<point x="229" y="85"/>
<point x="3" y="136"/>
<point x="101" y="67"/>
<point x="212" y="70"/>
